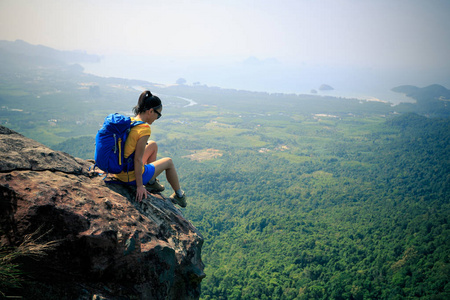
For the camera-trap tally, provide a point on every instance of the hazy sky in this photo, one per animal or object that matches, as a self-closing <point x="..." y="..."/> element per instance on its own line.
<point x="350" y="32"/>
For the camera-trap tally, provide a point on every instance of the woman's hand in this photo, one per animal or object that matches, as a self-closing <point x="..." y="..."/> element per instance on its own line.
<point x="141" y="193"/>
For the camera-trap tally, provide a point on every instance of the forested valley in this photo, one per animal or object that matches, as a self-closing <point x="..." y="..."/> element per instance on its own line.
<point x="297" y="196"/>
<point x="361" y="217"/>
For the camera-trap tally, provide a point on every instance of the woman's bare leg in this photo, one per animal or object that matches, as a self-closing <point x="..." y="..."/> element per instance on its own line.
<point x="166" y="164"/>
<point x="150" y="152"/>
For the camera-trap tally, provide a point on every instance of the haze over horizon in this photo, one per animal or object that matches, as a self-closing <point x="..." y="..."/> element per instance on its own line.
<point x="274" y="46"/>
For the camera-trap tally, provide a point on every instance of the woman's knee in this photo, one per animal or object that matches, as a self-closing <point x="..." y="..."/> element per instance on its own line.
<point x="151" y="152"/>
<point x="151" y="145"/>
<point x="168" y="162"/>
<point x="163" y="163"/>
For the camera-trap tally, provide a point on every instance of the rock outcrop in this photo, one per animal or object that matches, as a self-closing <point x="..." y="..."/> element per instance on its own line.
<point x="105" y="245"/>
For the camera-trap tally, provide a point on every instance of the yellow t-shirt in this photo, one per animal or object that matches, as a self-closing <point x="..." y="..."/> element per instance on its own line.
<point x="130" y="146"/>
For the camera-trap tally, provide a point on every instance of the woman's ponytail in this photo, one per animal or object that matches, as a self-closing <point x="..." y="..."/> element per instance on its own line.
<point x="145" y="102"/>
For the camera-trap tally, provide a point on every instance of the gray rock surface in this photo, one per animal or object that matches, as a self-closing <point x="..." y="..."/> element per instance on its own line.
<point x="107" y="246"/>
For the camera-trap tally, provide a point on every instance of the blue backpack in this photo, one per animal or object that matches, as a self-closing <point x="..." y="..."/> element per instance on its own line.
<point x="110" y="144"/>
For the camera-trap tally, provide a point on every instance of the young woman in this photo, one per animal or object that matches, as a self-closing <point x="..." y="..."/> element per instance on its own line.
<point x="148" y="110"/>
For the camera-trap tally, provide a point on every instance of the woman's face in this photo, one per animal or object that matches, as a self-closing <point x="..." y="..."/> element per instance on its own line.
<point x="154" y="114"/>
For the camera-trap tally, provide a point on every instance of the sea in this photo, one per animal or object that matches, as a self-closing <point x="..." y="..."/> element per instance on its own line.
<point x="269" y="76"/>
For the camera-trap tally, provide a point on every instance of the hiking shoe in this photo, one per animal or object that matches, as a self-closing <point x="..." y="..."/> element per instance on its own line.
<point x="181" y="201"/>
<point x="156" y="186"/>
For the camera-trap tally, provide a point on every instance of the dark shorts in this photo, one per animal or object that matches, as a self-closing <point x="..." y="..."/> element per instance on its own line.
<point x="149" y="171"/>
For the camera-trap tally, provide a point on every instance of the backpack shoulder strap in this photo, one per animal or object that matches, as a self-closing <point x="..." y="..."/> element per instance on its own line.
<point x="135" y="123"/>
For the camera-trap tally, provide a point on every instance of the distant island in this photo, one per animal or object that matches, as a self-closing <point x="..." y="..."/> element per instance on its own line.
<point x="325" y="87"/>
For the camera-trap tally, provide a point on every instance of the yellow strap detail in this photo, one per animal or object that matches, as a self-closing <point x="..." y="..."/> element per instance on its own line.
<point x="120" y="152"/>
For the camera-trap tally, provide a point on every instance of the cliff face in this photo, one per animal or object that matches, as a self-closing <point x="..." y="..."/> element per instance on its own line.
<point x="106" y="245"/>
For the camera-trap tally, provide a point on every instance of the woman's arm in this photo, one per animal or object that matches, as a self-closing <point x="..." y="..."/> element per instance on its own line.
<point x="141" y="191"/>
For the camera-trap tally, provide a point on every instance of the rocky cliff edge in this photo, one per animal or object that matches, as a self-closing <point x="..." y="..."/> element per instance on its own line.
<point x="103" y="245"/>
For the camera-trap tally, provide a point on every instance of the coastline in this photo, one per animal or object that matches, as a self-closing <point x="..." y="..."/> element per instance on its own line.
<point x="285" y="81"/>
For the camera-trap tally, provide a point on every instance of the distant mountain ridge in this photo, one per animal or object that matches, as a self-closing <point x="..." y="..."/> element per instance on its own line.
<point x="432" y="91"/>
<point x="433" y="99"/>
<point x="22" y="47"/>
<point x="20" y="56"/>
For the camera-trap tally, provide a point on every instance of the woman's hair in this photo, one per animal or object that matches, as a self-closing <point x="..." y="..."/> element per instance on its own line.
<point x="145" y="102"/>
